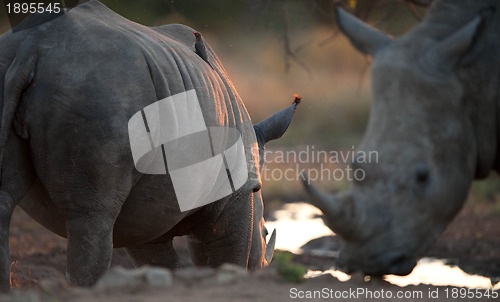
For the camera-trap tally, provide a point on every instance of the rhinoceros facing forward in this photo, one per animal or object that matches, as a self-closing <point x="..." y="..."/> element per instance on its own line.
<point x="435" y="125"/>
<point x="90" y="100"/>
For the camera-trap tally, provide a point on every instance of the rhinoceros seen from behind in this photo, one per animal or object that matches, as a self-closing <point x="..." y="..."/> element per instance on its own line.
<point x="434" y="122"/>
<point x="78" y="94"/>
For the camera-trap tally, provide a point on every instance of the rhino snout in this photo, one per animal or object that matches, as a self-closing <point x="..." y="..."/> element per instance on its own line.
<point x="402" y="265"/>
<point x="394" y="263"/>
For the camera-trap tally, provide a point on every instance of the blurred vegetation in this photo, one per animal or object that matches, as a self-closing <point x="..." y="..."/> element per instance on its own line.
<point x="289" y="270"/>
<point x="485" y="195"/>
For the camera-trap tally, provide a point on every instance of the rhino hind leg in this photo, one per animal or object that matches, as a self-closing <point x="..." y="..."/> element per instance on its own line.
<point x="90" y="218"/>
<point x="154" y="253"/>
<point x="6" y="210"/>
<point x="18" y="176"/>
<point x="90" y="248"/>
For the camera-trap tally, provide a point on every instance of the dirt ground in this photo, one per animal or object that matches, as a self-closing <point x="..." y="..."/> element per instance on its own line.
<point x="472" y="241"/>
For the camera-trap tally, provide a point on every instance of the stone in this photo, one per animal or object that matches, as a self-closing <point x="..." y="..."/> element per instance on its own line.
<point x="135" y="279"/>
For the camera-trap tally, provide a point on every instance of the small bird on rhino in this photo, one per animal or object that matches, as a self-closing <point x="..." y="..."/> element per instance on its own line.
<point x="200" y="48"/>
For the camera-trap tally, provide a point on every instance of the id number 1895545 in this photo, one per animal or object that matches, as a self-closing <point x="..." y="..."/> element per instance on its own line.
<point x="25" y="8"/>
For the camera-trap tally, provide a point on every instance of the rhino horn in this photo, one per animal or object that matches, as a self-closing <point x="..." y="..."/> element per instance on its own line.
<point x="443" y="55"/>
<point x="275" y="126"/>
<point x="364" y="37"/>
<point x="270" y="247"/>
<point x="339" y="210"/>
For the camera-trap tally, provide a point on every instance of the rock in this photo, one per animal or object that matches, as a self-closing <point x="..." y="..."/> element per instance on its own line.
<point x="20" y="295"/>
<point x="135" y="279"/>
<point x="226" y="273"/>
<point x="194" y="275"/>
<point x="267" y="273"/>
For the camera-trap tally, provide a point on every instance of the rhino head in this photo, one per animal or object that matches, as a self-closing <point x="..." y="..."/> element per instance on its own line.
<point x="269" y="129"/>
<point x="422" y="129"/>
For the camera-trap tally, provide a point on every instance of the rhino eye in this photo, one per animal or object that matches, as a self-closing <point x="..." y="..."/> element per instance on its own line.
<point x="422" y="176"/>
<point x="257" y="188"/>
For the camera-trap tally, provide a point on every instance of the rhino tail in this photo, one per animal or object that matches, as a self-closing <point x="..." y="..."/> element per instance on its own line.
<point x="18" y="77"/>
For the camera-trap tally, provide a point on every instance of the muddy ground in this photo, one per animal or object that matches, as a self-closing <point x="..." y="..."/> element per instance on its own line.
<point x="472" y="241"/>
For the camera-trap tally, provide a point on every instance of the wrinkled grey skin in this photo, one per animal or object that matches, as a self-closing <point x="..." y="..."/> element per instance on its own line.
<point x="434" y="123"/>
<point x="69" y="87"/>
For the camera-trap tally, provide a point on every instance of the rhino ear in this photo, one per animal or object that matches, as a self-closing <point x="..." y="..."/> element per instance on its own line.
<point x="275" y="126"/>
<point x="365" y="38"/>
<point x="443" y="55"/>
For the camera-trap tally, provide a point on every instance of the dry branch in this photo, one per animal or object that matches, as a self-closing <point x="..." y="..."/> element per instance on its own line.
<point x="289" y="53"/>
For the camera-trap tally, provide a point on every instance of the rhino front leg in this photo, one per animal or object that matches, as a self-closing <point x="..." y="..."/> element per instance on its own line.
<point x="154" y="253"/>
<point x="90" y="247"/>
